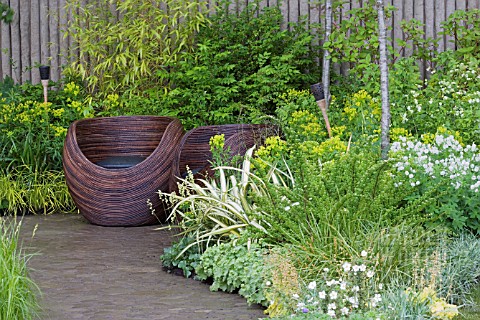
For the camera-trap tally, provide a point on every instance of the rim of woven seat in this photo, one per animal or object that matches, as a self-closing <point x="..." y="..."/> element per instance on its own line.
<point x="160" y="144"/>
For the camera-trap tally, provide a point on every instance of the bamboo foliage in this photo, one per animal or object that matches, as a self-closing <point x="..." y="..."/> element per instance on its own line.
<point x="116" y="53"/>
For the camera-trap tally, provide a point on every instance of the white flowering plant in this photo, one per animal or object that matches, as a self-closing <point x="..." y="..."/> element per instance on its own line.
<point x="447" y="168"/>
<point x="450" y="98"/>
<point x="354" y="290"/>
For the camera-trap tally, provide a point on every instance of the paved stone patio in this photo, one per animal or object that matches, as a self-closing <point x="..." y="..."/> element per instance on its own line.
<point x="92" y="272"/>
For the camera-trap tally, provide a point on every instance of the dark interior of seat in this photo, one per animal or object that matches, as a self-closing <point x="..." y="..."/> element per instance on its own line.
<point x="120" y="162"/>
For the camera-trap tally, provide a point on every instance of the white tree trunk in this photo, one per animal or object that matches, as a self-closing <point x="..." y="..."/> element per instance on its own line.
<point x="326" y="54"/>
<point x="385" y="121"/>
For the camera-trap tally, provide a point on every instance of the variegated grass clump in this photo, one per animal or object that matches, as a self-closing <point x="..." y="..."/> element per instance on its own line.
<point x="18" y="298"/>
<point x="24" y="191"/>
<point x="214" y="210"/>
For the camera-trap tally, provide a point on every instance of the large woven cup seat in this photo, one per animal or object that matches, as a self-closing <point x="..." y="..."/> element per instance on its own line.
<point x="194" y="148"/>
<point x="113" y="165"/>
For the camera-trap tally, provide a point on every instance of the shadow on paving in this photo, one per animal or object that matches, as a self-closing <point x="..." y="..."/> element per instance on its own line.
<point x="91" y="272"/>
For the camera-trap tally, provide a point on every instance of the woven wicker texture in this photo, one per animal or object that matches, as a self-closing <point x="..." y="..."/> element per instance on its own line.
<point x="118" y="197"/>
<point x="194" y="148"/>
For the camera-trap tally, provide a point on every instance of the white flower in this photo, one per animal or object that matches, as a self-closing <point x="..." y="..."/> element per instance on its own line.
<point x="295" y="204"/>
<point x="326" y="269"/>
<point x="322" y="295"/>
<point x="375" y="300"/>
<point x="295" y="296"/>
<point x="287" y="208"/>
<point x="344" y="311"/>
<point x="268" y="283"/>
<point x="300" y="305"/>
<point x="370" y="273"/>
<point x="355" y="288"/>
<point x="312" y="285"/>
<point x="333" y="295"/>
<point x="343" y="286"/>
<point x="380" y="286"/>
<point x="346" y="266"/>
<point x="364" y="253"/>
<point x="363" y="267"/>
<point x="353" y="301"/>
<point x="331" y="313"/>
<point x="332" y="306"/>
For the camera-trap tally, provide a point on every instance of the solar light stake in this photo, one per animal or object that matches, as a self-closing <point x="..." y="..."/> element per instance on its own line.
<point x="319" y="94"/>
<point x="44" y="77"/>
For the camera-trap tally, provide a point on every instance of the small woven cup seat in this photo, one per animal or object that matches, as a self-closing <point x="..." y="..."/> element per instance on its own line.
<point x="113" y="165"/>
<point x="194" y="148"/>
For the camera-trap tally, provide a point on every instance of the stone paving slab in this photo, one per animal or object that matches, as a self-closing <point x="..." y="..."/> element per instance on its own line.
<point x="93" y="272"/>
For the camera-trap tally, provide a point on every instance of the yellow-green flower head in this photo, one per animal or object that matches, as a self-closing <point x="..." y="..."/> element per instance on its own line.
<point x="59" y="131"/>
<point x="58" y="112"/>
<point x="306" y="125"/>
<point x="72" y="88"/>
<point x="217" y="141"/>
<point x="396" y="133"/>
<point x="350" y="112"/>
<point x="293" y="94"/>
<point x="273" y="147"/>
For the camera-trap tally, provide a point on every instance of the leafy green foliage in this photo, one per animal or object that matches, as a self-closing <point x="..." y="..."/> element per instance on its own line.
<point x="450" y="99"/>
<point x="32" y="132"/>
<point x="444" y="167"/>
<point x="463" y="26"/>
<point x="18" y="292"/>
<point x="123" y="54"/>
<point x="241" y="65"/>
<point x="187" y="261"/>
<point x="31" y="142"/>
<point x="340" y="207"/>
<point x="356" y="39"/>
<point x="6" y="13"/>
<point x="423" y="48"/>
<point x="235" y="267"/>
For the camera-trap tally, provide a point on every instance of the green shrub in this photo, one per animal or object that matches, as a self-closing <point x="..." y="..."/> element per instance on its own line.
<point x="32" y="132"/>
<point x="355" y="40"/>
<point x="463" y="26"/>
<point x="335" y="209"/>
<point x="442" y="166"/>
<point x="6" y="13"/>
<point x="241" y="65"/>
<point x="176" y="256"/>
<point x="235" y="267"/>
<point x="450" y="100"/>
<point x="18" y="293"/>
